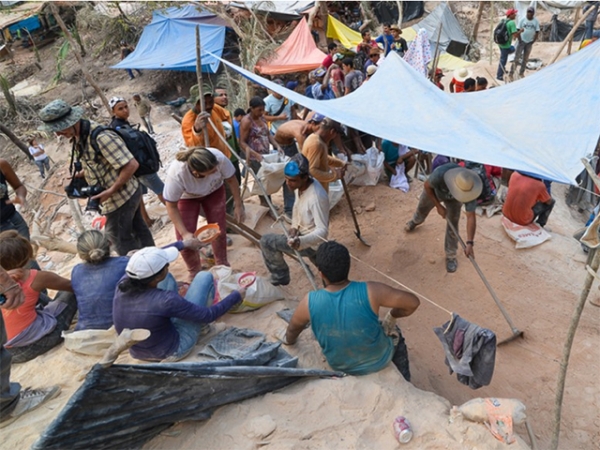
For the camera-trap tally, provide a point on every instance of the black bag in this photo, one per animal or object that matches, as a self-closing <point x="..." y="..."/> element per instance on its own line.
<point x="139" y="143"/>
<point x="360" y="60"/>
<point x="487" y="193"/>
<point x="501" y="36"/>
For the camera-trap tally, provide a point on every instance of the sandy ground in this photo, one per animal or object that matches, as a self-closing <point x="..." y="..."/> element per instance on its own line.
<point x="539" y="287"/>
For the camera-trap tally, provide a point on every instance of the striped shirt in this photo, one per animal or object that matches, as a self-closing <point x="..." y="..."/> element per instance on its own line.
<point x="113" y="156"/>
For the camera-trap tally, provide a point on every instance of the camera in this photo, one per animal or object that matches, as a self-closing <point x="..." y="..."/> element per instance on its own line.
<point x="79" y="188"/>
<point x="88" y="192"/>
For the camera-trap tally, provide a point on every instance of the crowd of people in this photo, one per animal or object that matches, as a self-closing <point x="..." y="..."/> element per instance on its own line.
<point x="134" y="289"/>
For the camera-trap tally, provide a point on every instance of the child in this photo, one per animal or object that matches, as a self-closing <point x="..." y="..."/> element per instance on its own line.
<point x="31" y="329"/>
<point x="39" y="156"/>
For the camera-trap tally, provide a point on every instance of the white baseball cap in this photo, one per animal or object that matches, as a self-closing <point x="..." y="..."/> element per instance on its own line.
<point x="149" y="261"/>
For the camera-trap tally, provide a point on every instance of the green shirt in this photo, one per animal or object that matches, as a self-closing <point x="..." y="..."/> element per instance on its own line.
<point x="511" y="27"/>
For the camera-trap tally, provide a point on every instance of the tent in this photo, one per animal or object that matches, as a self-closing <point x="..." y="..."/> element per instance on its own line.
<point x="543" y="124"/>
<point x="452" y="38"/>
<point x="277" y="10"/>
<point x="169" y="41"/>
<point x="298" y="53"/>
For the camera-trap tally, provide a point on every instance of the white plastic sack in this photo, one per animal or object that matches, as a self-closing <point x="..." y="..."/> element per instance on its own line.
<point x="399" y="181"/>
<point x="365" y="170"/>
<point x="259" y="294"/>
<point x="475" y="410"/>
<point x="90" y="342"/>
<point x="525" y="236"/>
<point x="336" y="192"/>
<point x="270" y="174"/>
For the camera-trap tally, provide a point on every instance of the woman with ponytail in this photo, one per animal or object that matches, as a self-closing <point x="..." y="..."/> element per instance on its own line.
<point x="94" y="281"/>
<point x="194" y="186"/>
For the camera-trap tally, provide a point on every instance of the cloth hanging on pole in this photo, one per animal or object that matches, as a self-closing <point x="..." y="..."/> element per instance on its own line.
<point x="470" y="351"/>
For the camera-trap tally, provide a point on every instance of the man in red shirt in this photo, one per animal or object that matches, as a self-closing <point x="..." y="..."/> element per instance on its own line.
<point x="527" y="200"/>
<point x="331" y="49"/>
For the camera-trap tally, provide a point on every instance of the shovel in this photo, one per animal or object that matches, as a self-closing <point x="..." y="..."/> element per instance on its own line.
<point x="357" y="232"/>
<point x="515" y="331"/>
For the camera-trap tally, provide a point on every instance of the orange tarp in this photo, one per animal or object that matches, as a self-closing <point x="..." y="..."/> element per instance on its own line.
<point x="297" y="54"/>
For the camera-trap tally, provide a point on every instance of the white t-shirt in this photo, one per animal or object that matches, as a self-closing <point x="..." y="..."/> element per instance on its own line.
<point x="180" y="182"/>
<point x="34" y="150"/>
<point x="311" y="215"/>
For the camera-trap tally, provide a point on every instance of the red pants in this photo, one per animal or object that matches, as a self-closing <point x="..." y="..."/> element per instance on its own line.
<point x="213" y="209"/>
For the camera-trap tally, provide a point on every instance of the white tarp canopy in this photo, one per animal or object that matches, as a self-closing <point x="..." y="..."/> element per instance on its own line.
<point x="543" y="124"/>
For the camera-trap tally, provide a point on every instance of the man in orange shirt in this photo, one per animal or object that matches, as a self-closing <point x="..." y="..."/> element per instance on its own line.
<point x="194" y="122"/>
<point x="527" y="200"/>
<point x="315" y="149"/>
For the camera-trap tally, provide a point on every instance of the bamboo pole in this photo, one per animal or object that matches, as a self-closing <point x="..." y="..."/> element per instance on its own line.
<point x="84" y="69"/>
<point x="199" y="79"/>
<point x="477" y="21"/>
<point x="570" y="35"/>
<point x="560" y="385"/>
<point x="436" y="54"/>
<point x="577" y="12"/>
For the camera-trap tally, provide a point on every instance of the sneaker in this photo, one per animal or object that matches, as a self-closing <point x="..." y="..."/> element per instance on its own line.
<point x="410" y="225"/>
<point x="30" y="399"/>
<point x="451" y="265"/>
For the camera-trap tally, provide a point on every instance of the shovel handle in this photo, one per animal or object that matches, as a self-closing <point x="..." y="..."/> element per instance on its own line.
<point x="484" y="279"/>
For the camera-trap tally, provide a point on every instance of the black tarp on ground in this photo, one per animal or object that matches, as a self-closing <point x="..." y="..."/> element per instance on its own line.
<point x="557" y="31"/>
<point x="124" y="406"/>
<point x="387" y="12"/>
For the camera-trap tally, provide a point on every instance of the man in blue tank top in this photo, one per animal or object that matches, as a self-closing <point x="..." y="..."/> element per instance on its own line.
<point x="344" y="317"/>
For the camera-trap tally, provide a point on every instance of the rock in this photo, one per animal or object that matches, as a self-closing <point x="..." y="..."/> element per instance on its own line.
<point x="260" y="427"/>
<point x="358" y="210"/>
<point x="370" y="207"/>
<point x="431" y="261"/>
<point x="49" y="266"/>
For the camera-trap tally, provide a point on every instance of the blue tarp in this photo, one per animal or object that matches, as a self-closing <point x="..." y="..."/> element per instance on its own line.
<point x="31" y="23"/>
<point x="543" y="124"/>
<point x="169" y="41"/>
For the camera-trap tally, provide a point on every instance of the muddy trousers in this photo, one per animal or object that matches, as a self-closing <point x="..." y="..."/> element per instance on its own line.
<point x="452" y="214"/>
<point x="522" y="54"/>
<point x="126" y="227"/>
<point x="400" y="357"/>
<point x="273" y="246"/>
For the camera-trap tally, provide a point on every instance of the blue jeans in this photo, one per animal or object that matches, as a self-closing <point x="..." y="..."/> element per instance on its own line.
<point x="17" y="223"/>
<point x="504" y="52"/>
<point x="589" y="29"/>
<point x="130" y="73"/>
<point x="153" y="182"/>
<point x="43" y="164"/>
<point x="202" y="293"/>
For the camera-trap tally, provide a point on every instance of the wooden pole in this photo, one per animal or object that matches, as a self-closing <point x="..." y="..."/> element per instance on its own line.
<point x="436" y="53"/>
<point x="84" y="69"/>
<point x="577" y="12"/>
<point x="560" y="385"/>
<point x="199" y="79"/>
<point x="491" y="31"/>
<point x="570" y="35"/>
<point x="477" y="21"/>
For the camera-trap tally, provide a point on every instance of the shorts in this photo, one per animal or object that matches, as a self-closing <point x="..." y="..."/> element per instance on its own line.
<point x="153" y="182"/>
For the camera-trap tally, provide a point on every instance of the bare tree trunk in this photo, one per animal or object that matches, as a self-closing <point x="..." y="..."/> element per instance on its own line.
<point x="477" y="21"/>
<point x="86" y="73"/>
<point x="15" y="140"/>
<point x="400" y="13"/>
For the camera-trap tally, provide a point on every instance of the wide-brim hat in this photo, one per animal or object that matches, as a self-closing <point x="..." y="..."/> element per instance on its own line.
<point x="58" y="115"/>
<point x="462" y="74"/>
<point x="396" y="27"/>
<point x="464" y="184"/>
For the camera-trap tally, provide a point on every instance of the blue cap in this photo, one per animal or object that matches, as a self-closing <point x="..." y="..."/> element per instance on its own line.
<point x="317" y="118"/>
<point x="320" y="72"/>
<point x="291" y="85"/>
<point x="298" y="165"/>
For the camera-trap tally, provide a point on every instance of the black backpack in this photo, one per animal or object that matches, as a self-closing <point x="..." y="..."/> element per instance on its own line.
<point x="487" y="193"/>
<point x="139" y="143"/>
<point x="501" y="36"/>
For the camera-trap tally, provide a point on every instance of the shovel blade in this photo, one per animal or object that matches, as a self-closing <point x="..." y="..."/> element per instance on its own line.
<point x="360" y="238"/>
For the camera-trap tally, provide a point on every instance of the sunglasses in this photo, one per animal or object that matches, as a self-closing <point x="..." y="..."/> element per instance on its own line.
<point x="374" y="55"/>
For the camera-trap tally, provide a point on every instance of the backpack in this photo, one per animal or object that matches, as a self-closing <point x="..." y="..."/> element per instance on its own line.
<point x="501" y="36"/>
<point x="139" y="143"/>
<point x="360" y="60"/>
<point x="487" y="193"/>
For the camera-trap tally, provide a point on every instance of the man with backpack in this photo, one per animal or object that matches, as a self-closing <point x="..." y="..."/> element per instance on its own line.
<point x="104" y="174"/>
<point x="529" y="30"/>
<point x="504" y="33"/>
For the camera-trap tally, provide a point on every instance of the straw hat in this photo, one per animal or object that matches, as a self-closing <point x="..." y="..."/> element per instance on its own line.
<point x="462" y="74"/>
<point x="396" y="27"/>
<point x="464" y="184"/>
<point x="371" y="70"/>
